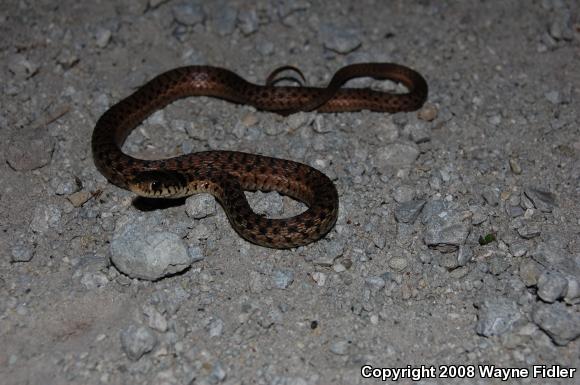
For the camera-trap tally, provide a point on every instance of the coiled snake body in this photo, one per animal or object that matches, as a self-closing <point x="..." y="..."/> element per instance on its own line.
<point x="226" y="174"/>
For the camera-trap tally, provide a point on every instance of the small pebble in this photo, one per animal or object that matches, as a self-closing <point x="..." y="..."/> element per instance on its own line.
<point x="562" y="325"/>
<point x="435" y="183"/>
<point x="45" y="217"/>
<point x="319" y="125"/>
<point x="137" y="340"/>
<point x="156" y="3"/>
<point x="491" y="195"/>
<point x="446" y="234"/>
<point x="529" y="231"/>
<point x="340" y="347"/>
<point x="464" y="255"/>
<point x="526" y="202"/>
<point x="79" y="198"/>
<point x="248" y="22"/>
<point x="339" y="268"/>
<point x="200" y="232"/>
<point x="287" y="8"/>
<point x="561" y="26"/>
<point x="283" y="278"/>
<point x="572" y="296"/>
<point x="265" y="48"/>
<point x="329" y="251"/>
<point x="102" y="37"/>
<point x="22" y="253"/>
<point x="269" y="204"/>
<point x="419" y="132"/>
<point x="340" y="40"/>
<point x="498" y="264"/>
<point x="22" y="67"/>
<point x="404" y="193"/>
<point x="428" y="112"/>
<point x="26" y="154"/>
<point x="514" y="211"/>
<point x="156" y="320"/>
<point x="250" y="120"/>
<point x="398" y="263"/>
<point x="542" y="200"/>
<point x="518" y="248"/>
<point x="479" y="216"/>
<point x="375" y="282"/>
<point x="298" y="120"/>
<point x="218" y="373"/>
<point x="215" y="327"/>
<point x="553" y="97"/>
<point x="397" y="154"/>
<point x="515" y="166"/>
<point x="551" y="286"/>
<point x="64" y="185"/>
<point x="195" y="253"/>
<point x="224" y="22"/>
<point x="458" y="273"/>
<point x="188" y="13"/>
<point x="408" y="212"/>
<point x="497" y="316"/>
<point x="200" y="206"/>
<point x="319" y="278"/>
<point x="386" y="129"/>
<point x="494" y="119"/>
<point x="93" y="280"/>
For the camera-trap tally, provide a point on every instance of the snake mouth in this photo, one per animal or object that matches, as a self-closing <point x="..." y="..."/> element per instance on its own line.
<point x="159" y="184"/>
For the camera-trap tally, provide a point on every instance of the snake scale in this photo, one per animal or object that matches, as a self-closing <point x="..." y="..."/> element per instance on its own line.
<point x="227" y="174"/>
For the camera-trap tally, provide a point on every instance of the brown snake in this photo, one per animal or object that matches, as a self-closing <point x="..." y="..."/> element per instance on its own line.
<point x="227" y="174"/>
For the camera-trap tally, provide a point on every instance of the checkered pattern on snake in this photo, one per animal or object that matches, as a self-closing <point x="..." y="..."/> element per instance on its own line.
<point x="226" y="174"/>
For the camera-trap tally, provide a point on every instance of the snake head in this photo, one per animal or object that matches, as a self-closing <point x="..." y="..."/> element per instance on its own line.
<point x="159" y="184"/>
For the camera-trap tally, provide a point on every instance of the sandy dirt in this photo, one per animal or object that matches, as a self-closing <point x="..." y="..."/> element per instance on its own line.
<point x="458" y="240"/>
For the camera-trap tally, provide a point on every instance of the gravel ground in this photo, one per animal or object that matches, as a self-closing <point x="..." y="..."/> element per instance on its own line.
<point x="457" y="241"/>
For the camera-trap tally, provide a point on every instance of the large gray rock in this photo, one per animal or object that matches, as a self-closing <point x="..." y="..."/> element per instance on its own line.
<point x="140" y="250"/>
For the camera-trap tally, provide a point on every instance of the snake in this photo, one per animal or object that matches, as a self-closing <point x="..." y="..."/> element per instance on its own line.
<point x="227" y="174"/>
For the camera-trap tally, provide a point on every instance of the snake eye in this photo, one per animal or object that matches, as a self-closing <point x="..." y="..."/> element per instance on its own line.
<point x="155" y="185"/>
